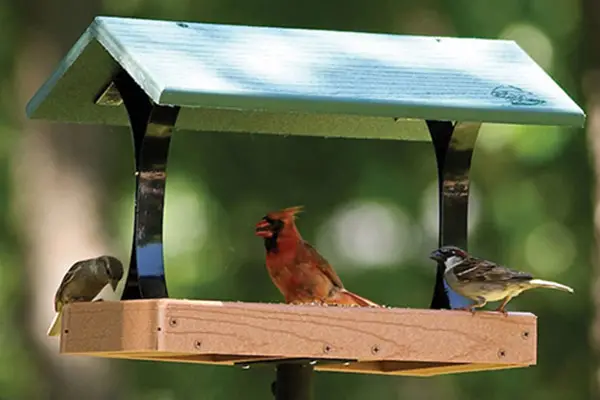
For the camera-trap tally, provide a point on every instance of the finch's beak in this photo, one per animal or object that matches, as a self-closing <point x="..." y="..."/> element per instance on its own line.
<point x="437" y="255"/>
<point x="263" y="229"/>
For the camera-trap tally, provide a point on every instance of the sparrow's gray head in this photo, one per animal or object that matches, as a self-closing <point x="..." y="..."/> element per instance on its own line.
<point x="448" y="253"/>
<point x="114" y="269"/>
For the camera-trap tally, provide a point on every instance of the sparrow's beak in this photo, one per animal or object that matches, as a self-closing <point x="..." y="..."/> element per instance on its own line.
<point x="114" y="283"/>
<point x="437" y="255"/>
<point x="263" y="229"/>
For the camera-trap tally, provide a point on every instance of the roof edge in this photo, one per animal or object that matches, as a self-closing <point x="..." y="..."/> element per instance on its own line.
<point x="63" y="66"/>
<point x="117" y="51"/>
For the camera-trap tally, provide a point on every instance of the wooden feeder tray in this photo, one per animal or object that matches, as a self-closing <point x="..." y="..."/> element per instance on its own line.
<point x="388" y="341"/>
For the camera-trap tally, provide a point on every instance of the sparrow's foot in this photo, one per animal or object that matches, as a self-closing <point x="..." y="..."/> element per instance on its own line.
<point x="502" y="306"/>
<point x="471" y="309"/>
<point x="502" y="310"/>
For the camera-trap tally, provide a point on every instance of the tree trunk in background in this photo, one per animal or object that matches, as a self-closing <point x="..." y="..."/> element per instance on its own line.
<point x="591" y="88"/>
<point x="59" y="184"/>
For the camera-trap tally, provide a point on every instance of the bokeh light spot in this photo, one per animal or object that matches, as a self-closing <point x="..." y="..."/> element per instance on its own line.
<point x="550" y="249"/>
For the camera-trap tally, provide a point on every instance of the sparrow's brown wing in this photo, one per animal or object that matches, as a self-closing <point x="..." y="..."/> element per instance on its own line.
<point x="478" y="270"/>
<point x="69" y="276"/>
<point x="80" y="283"/>
<point x="313" y="255"/>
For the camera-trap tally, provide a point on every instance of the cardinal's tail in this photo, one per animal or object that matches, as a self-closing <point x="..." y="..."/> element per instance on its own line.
<point x="349" y="298"/>
<point x="550" y="285"/>
<point x="55" y="326"/>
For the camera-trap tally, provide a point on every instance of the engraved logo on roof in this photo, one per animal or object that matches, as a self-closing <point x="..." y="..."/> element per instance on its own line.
<point x="517" y="96"/>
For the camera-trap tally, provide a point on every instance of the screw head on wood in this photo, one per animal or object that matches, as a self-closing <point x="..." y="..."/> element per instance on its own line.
<point x="197" y="344"/>
<point x="375" y="349"/>
<point x="326" y="348"/>
<point x="525" y="334"/>
<point x="501" y="353"/>
<point x="173" y="322"/>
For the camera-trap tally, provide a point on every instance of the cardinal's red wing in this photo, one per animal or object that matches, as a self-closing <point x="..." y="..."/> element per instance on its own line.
<point x="309" y="253"/>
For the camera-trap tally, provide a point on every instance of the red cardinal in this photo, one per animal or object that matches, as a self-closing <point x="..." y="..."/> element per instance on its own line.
<point x="300" y="273"/>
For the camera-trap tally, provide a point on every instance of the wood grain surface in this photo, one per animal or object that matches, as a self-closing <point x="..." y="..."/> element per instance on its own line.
<point x="345" y="339"/>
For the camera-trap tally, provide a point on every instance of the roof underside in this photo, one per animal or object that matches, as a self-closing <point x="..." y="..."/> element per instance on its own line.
<point x="306" y="82"/>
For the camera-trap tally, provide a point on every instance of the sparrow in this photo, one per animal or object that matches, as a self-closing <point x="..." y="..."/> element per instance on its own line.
<point x="484" y="281"/>
<point x="301" y="274"/>
<point x="95" y="279"/>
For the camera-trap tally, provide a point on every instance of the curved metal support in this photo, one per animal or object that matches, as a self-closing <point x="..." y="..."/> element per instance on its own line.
<point x="151" y="127"/>
<point x="453" y="144"/>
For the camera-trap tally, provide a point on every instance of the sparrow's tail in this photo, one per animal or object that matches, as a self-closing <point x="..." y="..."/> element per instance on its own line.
<point x="348" y="298"/>
<point x="550" y="285"/>
<point x="55" y="326"/>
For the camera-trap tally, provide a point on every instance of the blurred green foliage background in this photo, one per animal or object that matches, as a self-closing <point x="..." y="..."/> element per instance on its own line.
<point x="371" y="206"/>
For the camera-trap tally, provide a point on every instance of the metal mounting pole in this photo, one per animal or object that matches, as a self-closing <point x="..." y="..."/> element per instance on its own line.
<point x="151" y="127"/>
<point x="294" y="382"/>
<point x="453" y="144"/>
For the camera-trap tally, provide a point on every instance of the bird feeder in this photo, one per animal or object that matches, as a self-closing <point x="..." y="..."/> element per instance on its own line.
<point x="162" y="76"/>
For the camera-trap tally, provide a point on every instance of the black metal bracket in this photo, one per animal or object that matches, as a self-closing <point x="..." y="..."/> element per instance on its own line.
<point x="453" y="144"/>
<point x="151" y="127"/>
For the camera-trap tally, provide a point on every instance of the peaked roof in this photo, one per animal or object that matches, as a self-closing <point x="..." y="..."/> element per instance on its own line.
<point x="231" y="77"/>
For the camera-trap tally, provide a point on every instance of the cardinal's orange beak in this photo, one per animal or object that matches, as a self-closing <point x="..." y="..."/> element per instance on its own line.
<point x="263" y="229"/>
